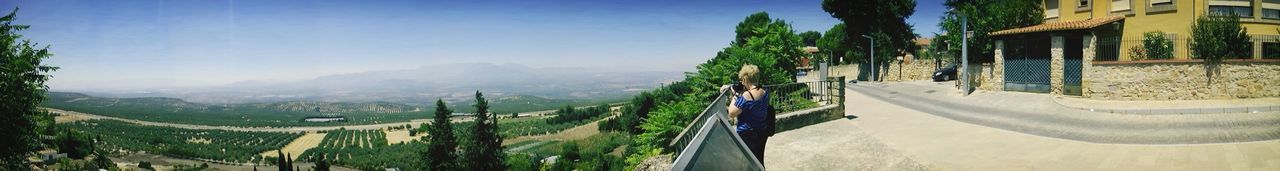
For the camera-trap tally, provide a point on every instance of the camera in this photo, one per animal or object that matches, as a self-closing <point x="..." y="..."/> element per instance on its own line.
<point x="738" y="87"/>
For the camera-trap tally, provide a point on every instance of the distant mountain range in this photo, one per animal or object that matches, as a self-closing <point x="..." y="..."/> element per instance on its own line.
<point x="456" y="83"/>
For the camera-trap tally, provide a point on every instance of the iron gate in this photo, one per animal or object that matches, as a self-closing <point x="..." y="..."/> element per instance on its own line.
<point x="1026" y="75"/>
<point x="1071" y="76"/>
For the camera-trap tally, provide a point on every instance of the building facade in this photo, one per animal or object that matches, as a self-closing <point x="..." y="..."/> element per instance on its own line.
<point x="1173" y="17"/>
<point x="1095" y="49"/>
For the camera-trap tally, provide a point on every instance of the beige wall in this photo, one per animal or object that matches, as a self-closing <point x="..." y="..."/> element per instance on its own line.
<point x="915" y="70"/>
<point x="1181" y="81"/>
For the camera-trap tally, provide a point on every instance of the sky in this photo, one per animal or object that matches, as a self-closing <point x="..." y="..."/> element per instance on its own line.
<point x="141" y="44"/>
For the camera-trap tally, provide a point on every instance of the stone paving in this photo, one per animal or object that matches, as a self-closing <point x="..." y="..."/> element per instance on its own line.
<point x="889" y="136"/>
<point x="833" y="145"/>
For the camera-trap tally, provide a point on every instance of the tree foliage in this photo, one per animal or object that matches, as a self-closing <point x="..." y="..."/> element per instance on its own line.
<point x="773" y="47"/>
<point x="570" y="114"/>
<point x="442" y="145"/>
<point x="22" y="77"/>
<point x="484" y="149"/>
<point x="75" y="143"/>
<point x="885" y="20"/>
<point x="1156" y="45"/>
<point x="985" y="17"/>
<point x="810" y="38"/>
<point x="833" y="44"/>
<point x="746" y="28"/>
<point x="1214" y="38"/>
<point x="632" y="115"/>
<point x="219" y="145"/>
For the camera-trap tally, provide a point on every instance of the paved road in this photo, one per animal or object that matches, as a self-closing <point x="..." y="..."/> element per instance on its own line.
<point x="1038" y="114"/>
<point x="883" y="131"/>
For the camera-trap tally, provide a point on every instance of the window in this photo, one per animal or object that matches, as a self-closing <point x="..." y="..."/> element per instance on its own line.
<point x="1155" y="6"/>
<point x="1270" y="13"/>
<point x="1051" y="9"/>
<point x="1243" y="9"/>
<point x="1243" y="12"/>
<point x="1161" y="2"/>
<point x="1271" y="9"/>
<point x="1120" y="5"/>
<point x="1083" y="6"/>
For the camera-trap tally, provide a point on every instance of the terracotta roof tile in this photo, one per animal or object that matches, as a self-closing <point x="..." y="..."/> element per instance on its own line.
<point x="1056" y="26"/>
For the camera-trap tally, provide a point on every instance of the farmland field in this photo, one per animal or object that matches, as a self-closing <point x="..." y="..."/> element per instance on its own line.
<point x="364" y="149"/>
<point x="215" y="145"/>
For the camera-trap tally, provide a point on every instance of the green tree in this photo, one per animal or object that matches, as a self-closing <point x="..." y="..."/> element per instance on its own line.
<point x="484" y="152"/>
<point x="570" y="151"/>
<point x="76" y="144"/>
<point x="986" y="17"/>
<point x="22" y="77"/>
<point x="810" y="38"/>
<point x="102" y="162"/>
<point x="1214" y="38"/>
<point x="282" y="162"/>
<point x="442" y="145"/>
<point x="321" y="164"/>
<point x="773" y="48"/>
<point x="833" y="44"/>
<point x="147" y="165"/>
<point x="746" y="28"/>
<point x="883" y="19"/>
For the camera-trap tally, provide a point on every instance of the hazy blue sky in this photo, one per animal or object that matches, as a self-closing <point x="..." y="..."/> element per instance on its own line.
<point x="159" y="43"/>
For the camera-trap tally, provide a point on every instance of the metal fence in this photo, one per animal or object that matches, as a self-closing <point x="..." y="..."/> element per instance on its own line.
<point x="1133" y="49"/>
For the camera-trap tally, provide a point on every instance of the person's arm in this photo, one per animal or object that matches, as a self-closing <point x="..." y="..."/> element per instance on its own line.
<point x="733" y="108"/>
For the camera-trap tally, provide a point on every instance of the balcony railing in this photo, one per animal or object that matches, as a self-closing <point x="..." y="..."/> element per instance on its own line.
<point x="709" y="142"/>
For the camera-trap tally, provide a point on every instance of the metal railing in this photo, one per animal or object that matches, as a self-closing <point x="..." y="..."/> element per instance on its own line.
<point x="1118" y="48"/>
<point x="784" y="97"/>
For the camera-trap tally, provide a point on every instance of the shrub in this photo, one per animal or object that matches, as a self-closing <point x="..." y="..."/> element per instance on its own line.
<point x="1137" y="53"/>
<point x="1157" y="46"/>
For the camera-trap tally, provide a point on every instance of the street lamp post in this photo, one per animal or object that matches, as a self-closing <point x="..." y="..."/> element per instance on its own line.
<point x="873" y="56"/>
<point x="964" y="49"/>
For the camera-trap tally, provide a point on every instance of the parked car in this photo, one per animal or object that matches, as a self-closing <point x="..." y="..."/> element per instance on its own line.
<point x="945" y="74"/>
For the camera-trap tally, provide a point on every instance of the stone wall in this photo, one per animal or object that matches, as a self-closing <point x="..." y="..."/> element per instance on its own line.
<point x="1181" y="81"/>
<point x="916" y="70"/>
<point x="921" y="69"/>
<point x="1056" y="65"/>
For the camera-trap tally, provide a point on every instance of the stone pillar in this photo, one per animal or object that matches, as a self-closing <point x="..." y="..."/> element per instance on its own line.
<point x="1086" y="64"/>
<point x="1055" y="65"/>
<point x="997" y="75"/>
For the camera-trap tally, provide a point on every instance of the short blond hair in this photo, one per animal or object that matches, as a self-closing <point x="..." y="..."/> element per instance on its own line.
<point x="749" y="73"/>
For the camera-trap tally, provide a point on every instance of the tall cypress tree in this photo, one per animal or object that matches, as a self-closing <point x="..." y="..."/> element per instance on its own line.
<point x="484" y="152"/>
<point x="22" y="77"/>
<point x="442" y="146"/>
<point x="280" y="161"/>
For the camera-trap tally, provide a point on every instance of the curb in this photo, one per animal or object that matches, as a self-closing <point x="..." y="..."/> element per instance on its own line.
<point x="1176" y="111"/>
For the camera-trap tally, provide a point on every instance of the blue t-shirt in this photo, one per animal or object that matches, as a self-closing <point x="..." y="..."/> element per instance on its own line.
<point x="754" y="113"/>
